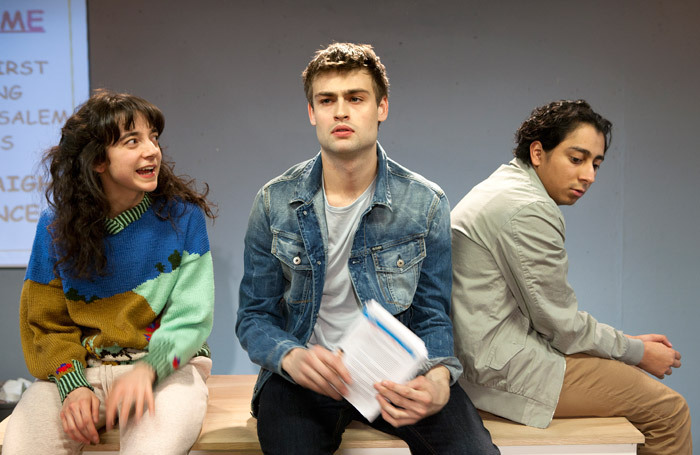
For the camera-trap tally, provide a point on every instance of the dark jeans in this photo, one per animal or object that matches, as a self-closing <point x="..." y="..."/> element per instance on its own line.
<point x="295" y="420"/>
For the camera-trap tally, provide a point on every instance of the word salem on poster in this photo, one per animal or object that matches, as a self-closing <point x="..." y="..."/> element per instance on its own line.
<point x="43" y="77"/>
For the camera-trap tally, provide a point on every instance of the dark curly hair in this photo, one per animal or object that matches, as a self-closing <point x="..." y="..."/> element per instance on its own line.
<point x="551" y="123"/>
<point x="345" y="57"/>
<point x="74" y="190"/>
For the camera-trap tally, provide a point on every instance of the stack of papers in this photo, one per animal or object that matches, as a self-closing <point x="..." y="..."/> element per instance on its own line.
<point x="378" y="347"/>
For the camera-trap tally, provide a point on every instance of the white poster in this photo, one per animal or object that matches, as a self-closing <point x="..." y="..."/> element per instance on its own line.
<point x="43" y="78"/>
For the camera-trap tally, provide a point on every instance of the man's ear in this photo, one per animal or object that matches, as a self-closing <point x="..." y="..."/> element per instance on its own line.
<point x="312" y="116"/>
<point x="383" y="109"/>
<point x="536" y="153"/>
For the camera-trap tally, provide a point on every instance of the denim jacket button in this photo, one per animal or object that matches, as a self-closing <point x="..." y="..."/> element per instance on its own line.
<point x="296" y="260"/>
<point x="399" y="263"/>
<point x="305" y="212"/>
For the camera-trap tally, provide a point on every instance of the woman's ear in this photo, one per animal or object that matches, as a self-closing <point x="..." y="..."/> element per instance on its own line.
<point x="100" y="167"/>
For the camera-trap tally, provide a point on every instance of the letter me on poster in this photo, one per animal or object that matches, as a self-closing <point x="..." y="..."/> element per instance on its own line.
<point x="43" y="78"/>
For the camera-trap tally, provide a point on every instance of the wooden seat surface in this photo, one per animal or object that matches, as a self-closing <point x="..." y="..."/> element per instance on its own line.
<point x="229" y="427"/>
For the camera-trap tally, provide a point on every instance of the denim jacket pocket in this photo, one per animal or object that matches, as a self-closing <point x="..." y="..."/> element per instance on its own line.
<point x="398" y="267"/>
<point x="289" y="249"/>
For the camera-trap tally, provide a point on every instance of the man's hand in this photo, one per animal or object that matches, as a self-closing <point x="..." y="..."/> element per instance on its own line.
<point x="422" y="397"/>
<point x="659" y="355"/>
<point x="133" y="388"/>
<point x="79" y="415"/>
<point x="652" y="337"/>
<point x="318" y="369"/>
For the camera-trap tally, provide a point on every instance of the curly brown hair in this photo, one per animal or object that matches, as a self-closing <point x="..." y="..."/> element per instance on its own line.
<point x="551" y="123"/>
<point x="344" y="57"/>
<point x="75" y="192"/>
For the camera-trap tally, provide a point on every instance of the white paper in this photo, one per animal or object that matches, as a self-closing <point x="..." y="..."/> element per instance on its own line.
<point x="378" y="347"/>
<point x="12" y="389"/>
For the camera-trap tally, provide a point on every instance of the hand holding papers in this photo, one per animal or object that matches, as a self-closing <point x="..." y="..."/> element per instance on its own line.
<point x="378" y="347"/>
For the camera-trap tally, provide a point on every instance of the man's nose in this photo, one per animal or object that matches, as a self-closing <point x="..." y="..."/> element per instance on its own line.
<point x="340" y="110"/>
<point x="588" y="174"/>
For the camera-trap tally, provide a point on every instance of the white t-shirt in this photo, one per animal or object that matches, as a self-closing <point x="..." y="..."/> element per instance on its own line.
<point x="339" y="303"/>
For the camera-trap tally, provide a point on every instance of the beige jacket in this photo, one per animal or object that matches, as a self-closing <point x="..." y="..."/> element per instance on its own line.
<point x="515" y="315"/>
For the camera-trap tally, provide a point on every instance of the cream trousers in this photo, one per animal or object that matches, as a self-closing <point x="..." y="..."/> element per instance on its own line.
<point x="180" y="405"/>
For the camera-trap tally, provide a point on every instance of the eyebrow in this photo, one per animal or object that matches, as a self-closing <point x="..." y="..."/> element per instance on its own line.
<point x="128" y="134"/>
<point x="351" y="91"/>
<point x="133" y="133"/>
<point x="587" y="152"/>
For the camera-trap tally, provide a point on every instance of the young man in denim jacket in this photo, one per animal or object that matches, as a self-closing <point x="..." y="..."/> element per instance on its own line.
<point x="529" y="353"/>
<point x="326" y="236"/>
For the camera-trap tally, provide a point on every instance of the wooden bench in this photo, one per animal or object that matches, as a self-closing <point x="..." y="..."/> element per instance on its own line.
<point x="229" y="428"/>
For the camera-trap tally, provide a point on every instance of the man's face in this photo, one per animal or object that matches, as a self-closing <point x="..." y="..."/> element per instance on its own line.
<point x="345" y="113"/>
<point x="569" y="169"/>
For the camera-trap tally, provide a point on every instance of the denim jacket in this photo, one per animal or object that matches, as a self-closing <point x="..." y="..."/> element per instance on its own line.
<point x="401" y="257"/>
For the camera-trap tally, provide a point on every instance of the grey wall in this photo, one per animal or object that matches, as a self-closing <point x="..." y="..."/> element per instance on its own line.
<point x="464" y="75"/>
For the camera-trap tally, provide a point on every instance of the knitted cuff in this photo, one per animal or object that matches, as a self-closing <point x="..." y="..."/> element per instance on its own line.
<point x="162" y="361"/>
<point x="204" y="351"/>
<point x="71" y="381"/>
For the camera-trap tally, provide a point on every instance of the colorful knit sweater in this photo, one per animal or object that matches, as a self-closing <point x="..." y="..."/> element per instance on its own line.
<point x="155" y="305"/>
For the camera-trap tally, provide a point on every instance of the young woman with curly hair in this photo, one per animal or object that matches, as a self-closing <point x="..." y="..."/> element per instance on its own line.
<point x="118" y="298"/>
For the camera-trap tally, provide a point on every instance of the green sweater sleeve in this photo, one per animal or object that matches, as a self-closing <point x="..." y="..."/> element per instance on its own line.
<point x="187" y="317"/>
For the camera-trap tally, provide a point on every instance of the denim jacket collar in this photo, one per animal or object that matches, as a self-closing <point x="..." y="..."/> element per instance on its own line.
<point x="310" y="182"/>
